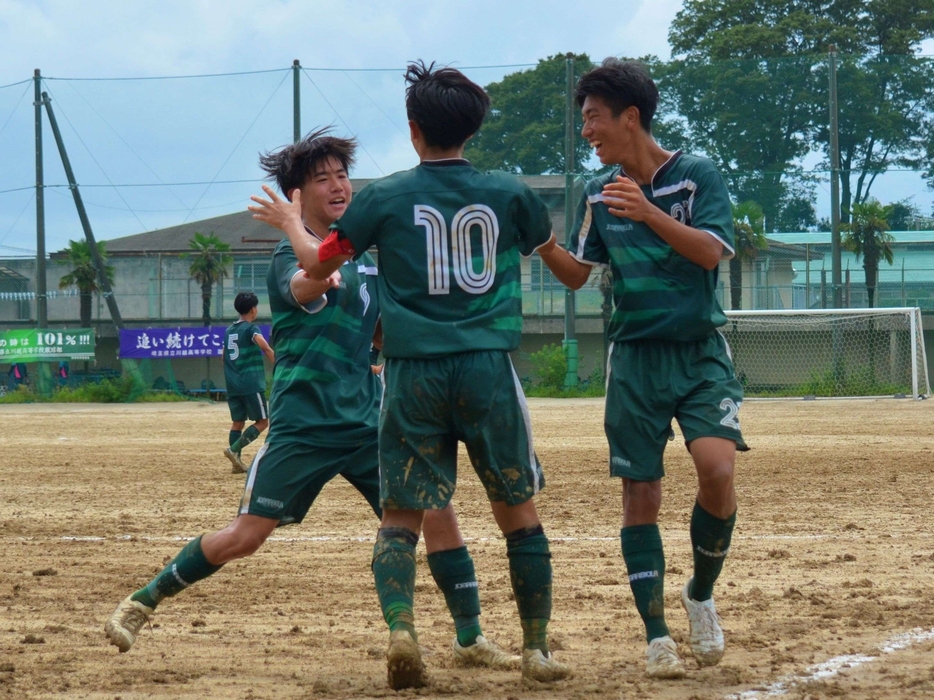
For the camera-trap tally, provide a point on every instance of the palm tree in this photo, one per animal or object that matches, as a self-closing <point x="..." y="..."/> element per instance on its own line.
<point x="749" y="239"/>
<point x="83" y="275"/>
<point x="867" y="235"/>
<point x="208" y="267"/>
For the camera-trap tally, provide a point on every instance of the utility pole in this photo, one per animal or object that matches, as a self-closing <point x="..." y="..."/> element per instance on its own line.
<point x="42" y="312"/>
<point x="82" y="214"/>
<point x="836" y="278"/>
<point x="570" y="320"/>
<point x="296" y="102"/>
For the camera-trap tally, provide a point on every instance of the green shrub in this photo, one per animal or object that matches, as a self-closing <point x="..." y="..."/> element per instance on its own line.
<point x="549" y="368"/>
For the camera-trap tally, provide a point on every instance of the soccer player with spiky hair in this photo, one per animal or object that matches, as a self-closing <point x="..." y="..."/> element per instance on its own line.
<point x="662" y="222"/>
<point x="449" y="240"/>
<point x="325" y="407"/>
<point x="244" y="347"/>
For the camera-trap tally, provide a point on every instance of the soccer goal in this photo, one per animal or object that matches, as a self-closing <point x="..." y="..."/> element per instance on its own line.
<point x="829" y="352"/>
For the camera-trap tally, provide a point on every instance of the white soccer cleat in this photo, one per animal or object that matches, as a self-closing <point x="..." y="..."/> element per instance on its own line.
<point x="404" y="662"/>
<point x="543" y="669"/>
<point x="238" y="466"/>
<point x="483" y="652"/>
<point x="124" y="625"/>
<point x="662" y="660"/>
<point x="706" y="635"/>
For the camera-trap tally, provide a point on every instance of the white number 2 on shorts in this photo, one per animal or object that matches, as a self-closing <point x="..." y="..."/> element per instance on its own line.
<point x="731" y="408"/>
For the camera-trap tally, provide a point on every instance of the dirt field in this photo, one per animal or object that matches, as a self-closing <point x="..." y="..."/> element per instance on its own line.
<point x="832" y="560"/>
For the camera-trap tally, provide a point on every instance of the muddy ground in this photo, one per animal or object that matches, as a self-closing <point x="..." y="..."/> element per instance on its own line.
<point x="832" y="560"/>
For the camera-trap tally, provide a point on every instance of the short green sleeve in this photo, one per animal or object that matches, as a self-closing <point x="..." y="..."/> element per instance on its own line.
<point x="532" y="221"/>
<point x="285" y="267"/>
<point x="711" y="210"/>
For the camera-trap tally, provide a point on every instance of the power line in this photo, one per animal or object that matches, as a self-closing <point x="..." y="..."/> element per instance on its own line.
<point x="171" y="77"/>
<point x="224" y="164"/>
<point x="97" y="163"/>
<point x="14" y="109"/>
<point x="324" y="97"/>
<point x="20" y="82"/>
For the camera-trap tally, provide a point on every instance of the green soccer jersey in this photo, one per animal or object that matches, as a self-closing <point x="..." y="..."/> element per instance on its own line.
<point x="243" y="360"/>
<point x="658" y="293"/>
<point x="323" y="391"/>
<point x="449" y="240"/>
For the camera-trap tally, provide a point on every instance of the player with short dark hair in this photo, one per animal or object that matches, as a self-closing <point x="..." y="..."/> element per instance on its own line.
<point x="325" y="407"/>
<point x="662" y="222"/>
<point x="244" y="347"/>
<point x="449" y="240"/>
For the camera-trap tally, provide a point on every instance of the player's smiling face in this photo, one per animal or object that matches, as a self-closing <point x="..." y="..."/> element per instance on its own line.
<point x="325" y="195"/>
<point x="607" y="135"/>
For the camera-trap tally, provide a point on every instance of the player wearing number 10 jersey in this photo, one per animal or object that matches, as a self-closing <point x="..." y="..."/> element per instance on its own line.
<point x="449" y="240"/>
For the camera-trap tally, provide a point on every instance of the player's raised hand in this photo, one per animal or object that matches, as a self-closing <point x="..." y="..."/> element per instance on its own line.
<point x="625" y="199"/>
<point x="277" y="212"/>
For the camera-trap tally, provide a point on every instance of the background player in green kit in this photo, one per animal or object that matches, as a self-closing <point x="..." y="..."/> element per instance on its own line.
<point x="661" y="222"/>
<point x="244" y="347"/>
<point x="449" y="240"/>
<point x="325" y="406"/>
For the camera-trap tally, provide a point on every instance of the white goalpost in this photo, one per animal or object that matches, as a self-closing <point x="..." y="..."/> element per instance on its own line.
<point x="829" y="352"/>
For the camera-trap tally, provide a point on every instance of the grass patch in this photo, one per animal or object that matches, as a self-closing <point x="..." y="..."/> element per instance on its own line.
<point x="120" y="390"/>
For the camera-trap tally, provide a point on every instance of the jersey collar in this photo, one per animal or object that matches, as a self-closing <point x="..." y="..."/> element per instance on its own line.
<point x="662" y="170"/>
<point x="313" y="233"/>
<point x="444" y="162"/>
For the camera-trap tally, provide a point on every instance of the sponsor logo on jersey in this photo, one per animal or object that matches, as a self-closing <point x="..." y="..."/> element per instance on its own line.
<point x="365" y="296"/>
<point x="619" y="227"/>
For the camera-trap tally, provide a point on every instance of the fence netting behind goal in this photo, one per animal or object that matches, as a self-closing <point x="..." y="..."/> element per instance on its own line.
<point x="855" y="352"/>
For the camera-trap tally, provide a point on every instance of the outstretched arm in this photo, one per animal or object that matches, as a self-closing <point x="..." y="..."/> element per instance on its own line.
<point x="570" y="272"/>
<point x="287" y="217"/>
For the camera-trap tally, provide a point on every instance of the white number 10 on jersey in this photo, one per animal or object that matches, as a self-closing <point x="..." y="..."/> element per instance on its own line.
<point x="460" y="258"/>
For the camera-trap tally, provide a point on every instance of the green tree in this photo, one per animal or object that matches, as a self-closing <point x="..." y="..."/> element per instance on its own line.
<point x="83" y="275"/>
<point x="867" y="235"/>
<point x="749" y="239"/>
<point x="209" y="261"/>
<point x="524" y="131"/>
<point x="749" y="78"/>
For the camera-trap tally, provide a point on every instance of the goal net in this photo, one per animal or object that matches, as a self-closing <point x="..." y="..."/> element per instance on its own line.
<point x="829" y="352"/>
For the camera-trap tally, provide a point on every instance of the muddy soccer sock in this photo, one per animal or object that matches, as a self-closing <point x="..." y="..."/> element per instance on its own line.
<point x="645" y="564"/>
<point x="189" y="566"/>
<point x="453" y="572"/>
<point x="710" y="541"/>
<point x="249" y="435"/>
<point x="394" y="571"/>
<point x="233" y="436"/>
<point x="530" y="571"/>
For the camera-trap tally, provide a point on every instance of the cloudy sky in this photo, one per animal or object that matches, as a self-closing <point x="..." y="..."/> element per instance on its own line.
<point x="150" y="152"/>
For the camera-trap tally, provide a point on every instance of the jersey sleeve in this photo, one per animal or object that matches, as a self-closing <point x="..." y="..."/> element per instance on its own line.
<point x="532" y="221"/>
<point x="285" y="265"/>
<point x="712" y="211"/>
<point x="254" y="331"/>
<point x="587" y="245"/>
<point x="361" y="221"/>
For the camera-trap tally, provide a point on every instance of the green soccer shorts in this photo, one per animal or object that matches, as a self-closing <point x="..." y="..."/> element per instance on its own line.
<point x="429" y="405"/>
<point x="286" y="477"/>
<point x="650" y="382"/>
<point x="252" y="406"/>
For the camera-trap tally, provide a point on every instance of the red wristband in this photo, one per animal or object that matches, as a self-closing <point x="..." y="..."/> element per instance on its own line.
<point x="333" y="246"/>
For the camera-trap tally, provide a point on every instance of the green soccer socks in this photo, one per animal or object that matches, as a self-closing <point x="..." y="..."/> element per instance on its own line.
<point x="710" y="542"/>
<point x="188" y="566"/>
<point x="453" y="572"/>
<point x="530" y="571"/>
<point x="394" y="571"/>
<point x="645" y="564"/>
<point x="233" y="436"/>
<point x="249" y="435"/>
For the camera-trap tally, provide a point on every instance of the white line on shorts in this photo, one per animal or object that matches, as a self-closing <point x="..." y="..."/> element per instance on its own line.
<point x="830" y="668"/>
